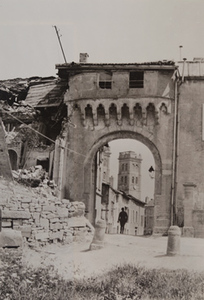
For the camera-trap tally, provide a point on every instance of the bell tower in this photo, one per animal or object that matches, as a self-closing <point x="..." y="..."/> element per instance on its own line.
<point x="129" y="174"/>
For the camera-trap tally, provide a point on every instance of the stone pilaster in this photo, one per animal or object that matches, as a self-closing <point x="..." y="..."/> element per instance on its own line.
<point x="188" y="229"/>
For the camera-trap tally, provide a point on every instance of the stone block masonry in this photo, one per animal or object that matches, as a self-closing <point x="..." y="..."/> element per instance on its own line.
<point x="40" y="216"/>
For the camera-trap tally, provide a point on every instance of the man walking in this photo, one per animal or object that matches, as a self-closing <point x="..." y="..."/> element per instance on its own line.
<point x="122" y="218"/>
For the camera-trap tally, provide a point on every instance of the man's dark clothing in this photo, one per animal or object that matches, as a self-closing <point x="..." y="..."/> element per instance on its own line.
<point x="122" y="218"/>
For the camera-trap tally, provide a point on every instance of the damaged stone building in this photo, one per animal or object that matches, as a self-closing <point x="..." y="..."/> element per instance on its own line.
<point x="32" y="111"/>
<point x="159" y="104"/>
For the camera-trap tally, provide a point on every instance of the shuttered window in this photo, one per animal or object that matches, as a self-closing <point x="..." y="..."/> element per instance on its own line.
<point x="136" y="80"/>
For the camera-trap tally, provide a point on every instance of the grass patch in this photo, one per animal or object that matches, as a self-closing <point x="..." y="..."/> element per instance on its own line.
<point x="122" y="283"/>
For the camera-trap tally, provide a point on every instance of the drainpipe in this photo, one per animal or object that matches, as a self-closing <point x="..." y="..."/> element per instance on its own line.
<point x="178" y="83"/>
<point x="174" y="154"/>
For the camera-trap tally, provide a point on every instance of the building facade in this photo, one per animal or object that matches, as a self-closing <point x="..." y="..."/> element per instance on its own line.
<point x="190" y="149"/>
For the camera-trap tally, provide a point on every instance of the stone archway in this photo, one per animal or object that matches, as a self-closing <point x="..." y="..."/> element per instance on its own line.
<point x="91" y="132"/>
<point x="96" y="128"/>
<point x="103" y="108"/>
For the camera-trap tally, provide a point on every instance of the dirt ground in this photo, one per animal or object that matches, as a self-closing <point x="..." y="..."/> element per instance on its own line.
<point x="77" y="261"/>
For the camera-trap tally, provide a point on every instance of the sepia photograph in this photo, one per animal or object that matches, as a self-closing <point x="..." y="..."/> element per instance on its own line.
<point x="101" y="150"/>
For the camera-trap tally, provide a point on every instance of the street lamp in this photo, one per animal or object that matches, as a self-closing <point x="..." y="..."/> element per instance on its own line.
<point x="151" y="172"/>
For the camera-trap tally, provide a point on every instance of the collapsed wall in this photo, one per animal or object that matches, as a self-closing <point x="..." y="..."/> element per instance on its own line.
<point x="41" y="217"/>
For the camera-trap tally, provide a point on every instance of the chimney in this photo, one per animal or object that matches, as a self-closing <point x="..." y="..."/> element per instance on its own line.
<point x="83" y="57"/>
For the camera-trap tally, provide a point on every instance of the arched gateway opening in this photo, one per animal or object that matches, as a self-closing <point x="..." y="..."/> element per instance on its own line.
<point x="125" y="173"/>
<point x="90" y="167"/>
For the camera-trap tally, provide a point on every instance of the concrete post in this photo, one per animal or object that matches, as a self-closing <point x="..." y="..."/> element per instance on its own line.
<point x="11" y="238"/>
<point x="188" y="229"/>
<point x="98" y="239"/>
<point x="174" y="236"/>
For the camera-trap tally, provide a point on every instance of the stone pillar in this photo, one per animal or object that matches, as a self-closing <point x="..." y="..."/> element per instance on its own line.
<point x="5" y="165"/>
<point x="98" y="239"/>
<point x="174" y="236"/>
<point x="61" y="168"/>
<point x="0" y="220"/>
<point x="188" y="229"/>
<point x="56" y="162"/>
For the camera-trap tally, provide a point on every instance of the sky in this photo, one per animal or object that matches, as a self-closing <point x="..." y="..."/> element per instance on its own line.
<point x="123" y="31"/>
<point x="110" y="31"/>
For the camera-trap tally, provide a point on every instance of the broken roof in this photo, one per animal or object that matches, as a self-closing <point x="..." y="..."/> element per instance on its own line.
<point x="46" y="93"/>
<point x="22" y="95"/>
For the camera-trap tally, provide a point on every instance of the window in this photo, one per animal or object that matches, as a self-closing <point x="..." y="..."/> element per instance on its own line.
<point x="105" y="81"/>
<point x="126" y="167"/>
<point x="122" y="167"/>
<point x="136" y="80"/>
<point x="142" y="220"/>
<point x="122" y="179"/>
<point x="125" y="179"/>
<point x="133" y="179"/>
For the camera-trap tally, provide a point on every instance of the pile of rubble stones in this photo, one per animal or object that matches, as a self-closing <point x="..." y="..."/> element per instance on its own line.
<point x="34" y="177"/>
<point x="42" y="217"/>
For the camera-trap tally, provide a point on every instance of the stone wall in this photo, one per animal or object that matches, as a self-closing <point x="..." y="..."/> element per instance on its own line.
<point x="40" y="216"/>
<point x="191" y="153"/>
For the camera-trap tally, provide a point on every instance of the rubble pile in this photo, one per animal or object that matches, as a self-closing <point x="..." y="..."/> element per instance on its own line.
<point x="40" y="216"/>
<point x="10" y="136"/>
<point x="34" y="177"/>
<point x="20" y="110"/>
<point x="13" y="93"/>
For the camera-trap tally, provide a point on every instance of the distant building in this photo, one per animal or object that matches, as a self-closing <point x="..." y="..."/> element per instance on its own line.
<point x="129" y="176"/>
